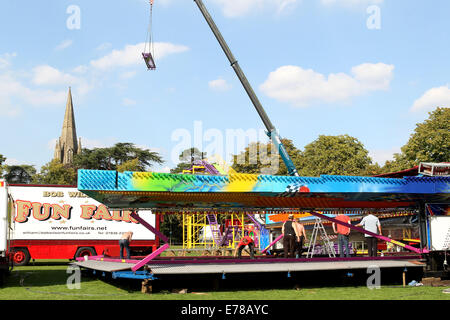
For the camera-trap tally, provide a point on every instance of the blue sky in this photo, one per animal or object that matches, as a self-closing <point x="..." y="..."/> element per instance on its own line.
<point x="372" y="69"/>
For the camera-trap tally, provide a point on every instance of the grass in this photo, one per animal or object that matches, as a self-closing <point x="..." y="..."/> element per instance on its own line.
<point x="48" y="281"/>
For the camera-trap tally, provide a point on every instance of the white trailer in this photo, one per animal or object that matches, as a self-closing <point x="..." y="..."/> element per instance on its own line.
<point x="60" y="222"/>
<point x="5" y="218"/>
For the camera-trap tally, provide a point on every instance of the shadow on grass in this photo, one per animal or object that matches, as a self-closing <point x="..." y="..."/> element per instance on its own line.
<point x="35" y="277"/>
<point x="280" y="280"/>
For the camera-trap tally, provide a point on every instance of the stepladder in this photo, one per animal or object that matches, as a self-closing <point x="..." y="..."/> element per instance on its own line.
<point x="320" y="232"/>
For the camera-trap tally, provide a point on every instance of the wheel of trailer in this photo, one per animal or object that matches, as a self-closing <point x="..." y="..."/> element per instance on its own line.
<point x="85" y="251"/>
<point x="20" y="256"/>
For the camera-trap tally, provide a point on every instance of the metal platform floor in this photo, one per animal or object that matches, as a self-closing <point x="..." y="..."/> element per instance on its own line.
<point x="252" y="266"/>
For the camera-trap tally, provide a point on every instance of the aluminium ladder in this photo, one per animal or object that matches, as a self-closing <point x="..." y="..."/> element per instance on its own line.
<point x="329" y="248"/>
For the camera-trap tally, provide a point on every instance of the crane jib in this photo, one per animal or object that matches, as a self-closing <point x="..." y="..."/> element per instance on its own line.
<point x="248" y="88"/>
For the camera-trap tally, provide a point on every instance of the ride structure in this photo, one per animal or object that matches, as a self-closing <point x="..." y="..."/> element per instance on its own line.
<point x="252" y="193"/>
<point x="202" y="229"/>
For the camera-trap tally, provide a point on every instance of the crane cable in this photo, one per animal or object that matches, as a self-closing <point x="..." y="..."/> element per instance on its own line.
<point x="149" y="38"/>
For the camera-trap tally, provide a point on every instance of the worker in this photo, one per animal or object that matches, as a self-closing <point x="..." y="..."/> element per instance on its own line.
<point x="290" y="235"/>
<point x="246" y="241"/>
<point x="343" y="233"/>
<point x="124" y="243"/>
<point x="372" y="224"/>
<point x="299" y="243"/>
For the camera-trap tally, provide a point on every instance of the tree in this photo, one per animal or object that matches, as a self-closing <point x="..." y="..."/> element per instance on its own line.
<point x="115" y="156"/>
<point x="260" y="158"/>
<point x="430" y="142"/>
<point x="130" y="165"/>
<point x="2" y="159"/>
<point x="187" y="158"/>
<point x="172" y="227"/>
<point x="334" y="155"/>
<point x="56" y="173"/>
<point x="22" y="174"/>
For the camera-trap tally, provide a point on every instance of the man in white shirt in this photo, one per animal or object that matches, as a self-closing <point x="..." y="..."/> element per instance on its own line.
<point x="371" y="223"/>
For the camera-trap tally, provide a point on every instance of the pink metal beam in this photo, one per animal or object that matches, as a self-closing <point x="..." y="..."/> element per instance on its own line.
<point x="149" y="227"/>
<point x="151" y="256"/>
<point x="157" y="233"/>
<point x="270" y="245"/>
<point x="369" y="233"/>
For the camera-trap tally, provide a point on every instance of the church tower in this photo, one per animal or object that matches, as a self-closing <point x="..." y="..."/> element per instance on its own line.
<point x="67" y="145"/>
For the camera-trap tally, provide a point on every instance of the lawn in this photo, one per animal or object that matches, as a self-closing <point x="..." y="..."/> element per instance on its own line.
<point x="48" y="281"/>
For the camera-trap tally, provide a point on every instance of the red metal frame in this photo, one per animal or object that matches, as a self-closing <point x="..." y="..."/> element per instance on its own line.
<point x="66" y="249"/>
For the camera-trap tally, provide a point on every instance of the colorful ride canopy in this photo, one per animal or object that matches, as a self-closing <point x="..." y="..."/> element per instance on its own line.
<point x="142" y="190"/>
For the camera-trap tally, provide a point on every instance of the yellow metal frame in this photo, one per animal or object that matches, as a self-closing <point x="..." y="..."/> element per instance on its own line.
<point x="193" y="169"/>
<point x="194" y="223"/>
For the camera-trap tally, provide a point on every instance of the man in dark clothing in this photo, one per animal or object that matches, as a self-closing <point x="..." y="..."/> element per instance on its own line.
<point x="290" y="235"/>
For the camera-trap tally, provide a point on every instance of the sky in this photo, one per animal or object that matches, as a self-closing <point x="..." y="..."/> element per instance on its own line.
<point x="371" y="69"/>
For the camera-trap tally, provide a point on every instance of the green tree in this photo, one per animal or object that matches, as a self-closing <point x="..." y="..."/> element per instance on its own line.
<point x="22" y="174"/>
<point x="2" y="159"/>
<point x="130" y="165"/>
<point x="260" y="158"/>
<point x="172" y="227"/>
<point x="334" y="155"/>
<point x="56" y="173"/>
<point x="115" y="156"/>
<point x="430" y="142"/>
<point x="372" y="170"/>
<point x="187" y="157"/>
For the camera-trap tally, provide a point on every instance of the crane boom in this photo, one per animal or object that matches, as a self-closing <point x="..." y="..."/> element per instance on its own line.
<point x="271" y="131"/>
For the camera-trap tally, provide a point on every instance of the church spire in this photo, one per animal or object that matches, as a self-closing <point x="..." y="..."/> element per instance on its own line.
<point x="67" y="145"/>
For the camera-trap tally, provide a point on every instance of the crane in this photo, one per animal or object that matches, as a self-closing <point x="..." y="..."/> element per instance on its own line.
<point x="271" y="130"/>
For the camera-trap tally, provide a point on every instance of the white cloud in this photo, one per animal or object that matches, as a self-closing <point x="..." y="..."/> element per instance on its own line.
<point x="238" y="8"/>
<point x="219" y="85"/>
<point x="132" y="55"/>
<point x="5" y="60"/>
<point x="435" y="97"/>
<point x="43" y="86"/>
<point x="13" y="162"/>
<point x="64" y="45"/>
<point x="103" y="46"/>
<point x="12" y="92"/>
<point x="80" y="69"/>
<point x="47" y="75"/>
<point x="301" y="87"/>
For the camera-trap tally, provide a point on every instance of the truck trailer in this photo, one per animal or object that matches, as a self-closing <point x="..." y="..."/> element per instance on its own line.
<point x="5" y="218"/>
<point x="60" y="222"/>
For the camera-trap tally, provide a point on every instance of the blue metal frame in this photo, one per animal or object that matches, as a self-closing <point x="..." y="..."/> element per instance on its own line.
<point x="142" y="275"/>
